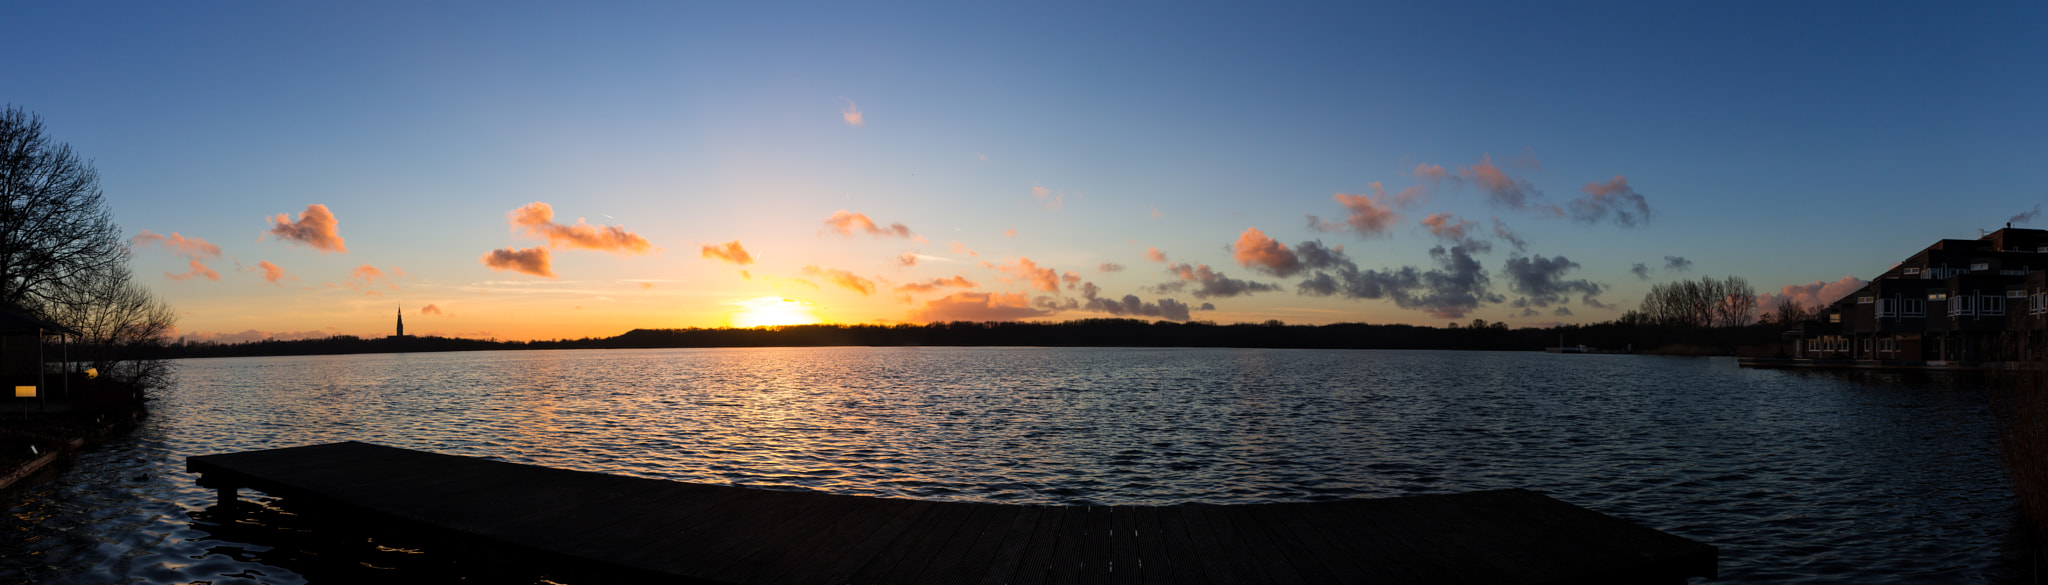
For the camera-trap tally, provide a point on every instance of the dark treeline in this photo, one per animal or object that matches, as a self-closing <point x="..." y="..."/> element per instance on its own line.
<point x="1478" y="335"/>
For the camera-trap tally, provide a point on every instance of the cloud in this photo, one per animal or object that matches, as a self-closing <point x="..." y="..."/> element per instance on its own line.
<point x="1370" y="215"/>
<point x="1562" y="311"/>
<point x="1502" y="233"/>
<point x="842" y="278"/>
<point x="907" y="259"/>
<point x="436" y="310"/>
<point x="852" y="114"/>
<point x="1131" y="305"/>
<point x="1045" y="279"/>
<point x="1049" y="198"/>
<point x="1541" y="281"/>
<point x="1261" y="253"/>
<point x="364" y="277"/>
<point x="1431" y="173"/>
<point x="1210" y="283"/>
<point x="1155" y="255"/>
<point x="936" y="284"/>
<point x="1641" y="270"/>
<point x="532" y="261"/>
<point x="959" y="248"/>
<point x="977" y="306"/>
<point x="1812" y="295"/>
<point x="729" y="252"/>
<point x="1155" y="212"/>
<point x="316" y="227"/>
<point x="198" y="269"/>
<point x="1677" y="264"/>
<point x="1109" y="267"/>
<point x="1612" y="198"/>
<point x="1012" y="233"/>
<point x="847" y="222"/>
<point x="2026" y="218"/>
<point x="271" y="272"/>
<point x="1454" y="231"/>
<point x="537" y="219"/>
<point x="1458" y="285"/>
<point x="192" y="248"/>
<point x="1507" y="191"/>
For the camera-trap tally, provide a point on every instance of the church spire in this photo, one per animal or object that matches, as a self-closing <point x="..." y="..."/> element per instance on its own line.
<point x="401" y="322"/>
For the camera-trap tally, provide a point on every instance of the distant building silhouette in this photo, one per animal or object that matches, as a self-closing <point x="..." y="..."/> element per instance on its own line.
<point x="401" y="325"/>
<point x="1981" y="300"/>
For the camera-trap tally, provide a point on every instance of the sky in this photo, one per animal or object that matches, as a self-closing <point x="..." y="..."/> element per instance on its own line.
<point x="542" y="171"/>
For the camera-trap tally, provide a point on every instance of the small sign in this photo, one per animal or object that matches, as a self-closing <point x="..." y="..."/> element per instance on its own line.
<point x="24" y="391"/>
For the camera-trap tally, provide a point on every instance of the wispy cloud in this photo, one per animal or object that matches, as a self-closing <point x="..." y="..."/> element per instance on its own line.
<point x="315" y="227"/>
<point x="1261" y="253"/>
<point x="1109" y="267"/>
<point x="1048" y="198"/>
<point x="845" y="223"/>
<point x="1507" y="191"/>
<point x="956" y="281"/>
<point x="193" y="248"/>
<point x="431" y="310"/>
<point x="1208" y="283"/>
<point x="198" y="269"/>
<point x="851" y="114"/>
<point x="978" y="306"/>
<point x="537" y="220"/>
<point x="1041" y="278"/>
<point x="1613" y="198"/>
<point x="1369" y="214"/>
<point x="1812" y="295"/>
<point x="730" y="252"/>
<point x="1155" y="255"/>
<point x="1541" y="282"/>
<point x="534" y="261"/>
<point x="1457" y="286"/>
<point x="271" y="272"/>
<point x="842" y="278"/>
<point x="2027" y="217"/>
<point x="959" y="248"/>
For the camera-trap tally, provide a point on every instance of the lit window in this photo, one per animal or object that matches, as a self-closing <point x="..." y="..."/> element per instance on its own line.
<point x="1981" y="266"/>
<point x="2014" y="294"/>
<point x="1865" y="300"/>
<point x="1912" y="270"/>
<point x="1834" y="317"/>
<point x="1937" y="296"/>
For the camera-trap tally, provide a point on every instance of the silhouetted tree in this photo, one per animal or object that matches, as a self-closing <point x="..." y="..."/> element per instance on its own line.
<point x="55" y="229"/>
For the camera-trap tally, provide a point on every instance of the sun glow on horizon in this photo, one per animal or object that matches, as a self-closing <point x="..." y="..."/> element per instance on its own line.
<point x="766" y="311"/>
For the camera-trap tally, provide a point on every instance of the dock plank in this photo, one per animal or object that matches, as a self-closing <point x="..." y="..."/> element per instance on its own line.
<point x="701" y="533"/>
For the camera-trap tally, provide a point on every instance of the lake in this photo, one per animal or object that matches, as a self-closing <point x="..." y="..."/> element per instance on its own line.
<point x="1798" y="476"/>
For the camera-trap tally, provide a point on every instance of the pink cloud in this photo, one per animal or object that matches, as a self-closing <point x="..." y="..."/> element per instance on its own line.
<point x="430" y="310"/>
<point x="1441" y="225"/>
<point x="1507" y="191"/>
<point x="316" y="227"/>
<point x="532" y="261"/>
<point x="974" y="306"/>
<point x="1812" y="295"/>
<point x="1045" y="279"/>
<point x="1429" y="172"/>
<point x="271" y="272"/>
<point x="847" y="222"/>
<point x="936" y="284"/>
<point x="1613" y="198"/>
<point x="842" y="278"/>
<point x="1370" y="214"/>
<point x="1071" y="279"/>
<point x="198" y="269"/>
<point x="851" y="114"/>
<point x="537" y="219"/>
<point x="1049" y="198"/>
<point x="193" y="248"/>
<point x="959" y="248"/>
<point x="1155" y="255"/>
<point x="1255" y="250"/>
<point x="729" y="252"/>
<point x="1012" y="233"/>
<point x="366" y="276"/>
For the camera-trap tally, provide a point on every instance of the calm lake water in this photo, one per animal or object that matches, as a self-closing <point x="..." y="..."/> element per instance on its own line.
<point x="1797" y="476"/>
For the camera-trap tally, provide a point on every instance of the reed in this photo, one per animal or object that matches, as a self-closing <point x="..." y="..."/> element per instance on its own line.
<point x="2019" y="403"/>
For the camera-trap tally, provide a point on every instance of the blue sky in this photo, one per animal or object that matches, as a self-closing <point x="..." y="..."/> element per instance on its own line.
<point x="1784" y="144"/>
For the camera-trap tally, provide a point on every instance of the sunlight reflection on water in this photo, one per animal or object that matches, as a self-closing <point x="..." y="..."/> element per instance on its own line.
<point x="1797" y="476"/>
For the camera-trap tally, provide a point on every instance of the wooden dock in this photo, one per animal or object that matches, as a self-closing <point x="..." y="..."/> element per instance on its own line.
<point x="697" y="533"/>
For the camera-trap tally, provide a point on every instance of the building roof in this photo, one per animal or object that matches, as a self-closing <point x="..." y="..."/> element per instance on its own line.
<point x="17" y="323"/>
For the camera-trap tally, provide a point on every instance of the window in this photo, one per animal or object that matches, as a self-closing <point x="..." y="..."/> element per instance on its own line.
<point x="1834" y="317"/>
<point x="1981" y="266"/>
<point x="2016" y="293"/>
<point x="1961" y="305"/>
<point x="1991" y="305"/>
<point x="1937" y="296"/>
<point x="1865" y="300"/>
<point x="1915" y="308"/>
<point x="2042" y="249"/>
<point x="1887" y="308"/>
<point x="1911" y="270"/>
